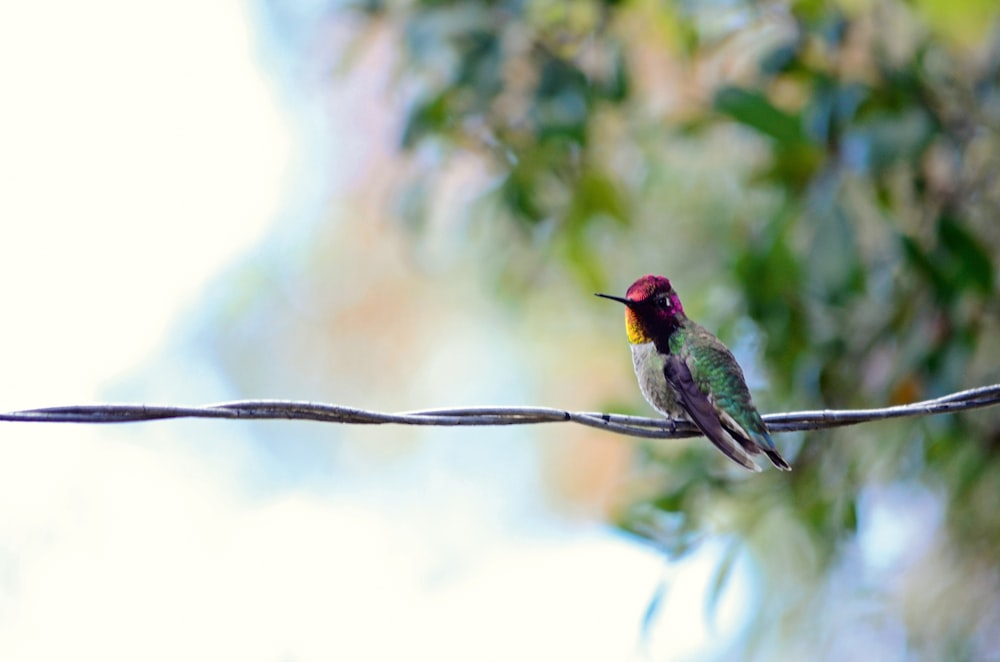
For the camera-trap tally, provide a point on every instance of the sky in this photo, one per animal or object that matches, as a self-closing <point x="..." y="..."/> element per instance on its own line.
<point x="145" y="149"/>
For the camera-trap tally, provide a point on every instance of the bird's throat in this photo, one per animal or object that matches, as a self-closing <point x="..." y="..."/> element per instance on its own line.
<point x="636" y="332"/>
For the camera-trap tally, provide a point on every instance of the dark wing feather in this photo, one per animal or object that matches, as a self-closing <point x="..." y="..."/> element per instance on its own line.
<point x="754" y="447"/>
<point x="777" y="460"/>
<point x="701" y="411"/>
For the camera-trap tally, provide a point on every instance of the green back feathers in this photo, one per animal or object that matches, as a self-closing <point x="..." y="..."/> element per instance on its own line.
<point x="717" y="374"/>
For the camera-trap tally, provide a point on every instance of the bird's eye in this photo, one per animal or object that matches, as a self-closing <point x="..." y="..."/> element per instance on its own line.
<point x="663" y="301"/>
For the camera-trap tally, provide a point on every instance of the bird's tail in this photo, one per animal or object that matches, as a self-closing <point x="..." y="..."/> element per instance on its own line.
<point x="765" y="444"/>
<point x="777" y="460"/>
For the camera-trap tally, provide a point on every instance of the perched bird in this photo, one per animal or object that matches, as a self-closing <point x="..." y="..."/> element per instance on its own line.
<point x="685" y="370"/>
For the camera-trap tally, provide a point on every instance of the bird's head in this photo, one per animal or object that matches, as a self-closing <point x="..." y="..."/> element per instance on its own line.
<point x="652" y="308"/>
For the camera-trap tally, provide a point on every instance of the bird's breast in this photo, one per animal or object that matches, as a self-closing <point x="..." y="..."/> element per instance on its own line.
<point x="648" y="364"/>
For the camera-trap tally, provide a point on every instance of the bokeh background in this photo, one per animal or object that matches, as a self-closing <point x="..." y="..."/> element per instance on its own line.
<point x="408" y="205"/>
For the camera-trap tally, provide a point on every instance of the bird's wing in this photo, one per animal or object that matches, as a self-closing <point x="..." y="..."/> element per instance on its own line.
<point x="703" y="412"/>
<point x="731" y="401"/>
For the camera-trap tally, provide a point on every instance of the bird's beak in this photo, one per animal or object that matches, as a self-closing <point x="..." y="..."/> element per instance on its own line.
<point x="623" y="300"/>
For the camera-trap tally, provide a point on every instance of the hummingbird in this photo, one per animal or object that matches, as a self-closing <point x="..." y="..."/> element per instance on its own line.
<point x="684" y="371"/>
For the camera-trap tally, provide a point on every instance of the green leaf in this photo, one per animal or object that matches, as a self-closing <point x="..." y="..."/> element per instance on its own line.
<point x="596" y="194"/>
<point x="616" y="87"/>
<point x="520" y="195"/>
<point x="924" y="265"/>
<point x="432" y="116"/>
<point x="973" y="262"/>
<point x="752" y="109"/>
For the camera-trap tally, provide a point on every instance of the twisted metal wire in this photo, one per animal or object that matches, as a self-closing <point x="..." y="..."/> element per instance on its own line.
<point x="635" y="426"/>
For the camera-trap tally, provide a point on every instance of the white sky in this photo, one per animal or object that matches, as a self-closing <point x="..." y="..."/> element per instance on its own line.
<point x="142" y="149"/>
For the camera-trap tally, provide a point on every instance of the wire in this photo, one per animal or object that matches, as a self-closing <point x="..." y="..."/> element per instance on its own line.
<point x="636" y="426"/>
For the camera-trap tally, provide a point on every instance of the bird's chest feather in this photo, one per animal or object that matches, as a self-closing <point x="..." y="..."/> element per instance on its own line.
<point x="648" y="364"/>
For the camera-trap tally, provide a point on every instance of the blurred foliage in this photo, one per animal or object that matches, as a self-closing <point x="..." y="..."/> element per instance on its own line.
<point x="862" y="241"/>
